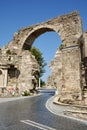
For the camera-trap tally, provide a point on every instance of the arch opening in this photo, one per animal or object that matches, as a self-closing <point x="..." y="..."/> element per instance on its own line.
<point x="33" y="36"/>
<point x="47" y="41"/>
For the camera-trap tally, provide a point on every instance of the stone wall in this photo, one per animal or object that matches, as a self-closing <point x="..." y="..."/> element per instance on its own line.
<point x="68" y="27"/>
<point x="85" y="42"/>
<point x="71" y="72"/>
<point x="17" y="70"/>
<point x="28" y="66"/>
<point x="69" y="66"/>
<point x="66" y="72"/>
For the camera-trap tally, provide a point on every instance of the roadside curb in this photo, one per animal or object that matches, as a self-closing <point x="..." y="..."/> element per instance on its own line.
<point x="63" y="104"/>
<point x="60" y="109"/>
<point x="3" y="100"/>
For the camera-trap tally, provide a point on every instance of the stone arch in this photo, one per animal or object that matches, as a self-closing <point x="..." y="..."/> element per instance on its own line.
<point x="32" y="36"/>
<point x="68" y="27"/>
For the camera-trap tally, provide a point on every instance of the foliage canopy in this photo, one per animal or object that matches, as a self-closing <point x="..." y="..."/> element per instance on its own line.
<point x="38" y="56"/>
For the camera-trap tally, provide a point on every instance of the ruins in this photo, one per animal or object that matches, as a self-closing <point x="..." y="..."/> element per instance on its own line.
<point x="69" y="68"/>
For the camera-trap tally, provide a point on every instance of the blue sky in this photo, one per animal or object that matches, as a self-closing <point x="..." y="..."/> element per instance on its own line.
<point x="15" y="14"/>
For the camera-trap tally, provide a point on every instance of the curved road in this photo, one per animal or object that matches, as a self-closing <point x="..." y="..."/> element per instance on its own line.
<point x="31" y="114"/>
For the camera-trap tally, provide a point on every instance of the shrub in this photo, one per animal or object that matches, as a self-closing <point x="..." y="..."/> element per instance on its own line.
<point x="62" y="46"/>
<point x="8" y="52"/>
<point x="26" y="93"/>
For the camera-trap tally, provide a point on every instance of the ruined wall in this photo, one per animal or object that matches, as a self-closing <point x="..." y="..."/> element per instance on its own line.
<point x="66" y="72"/>
<point x="56" y="69"/>
<point x="85" y="42"/>
<point x="66" y="66"/>
<point x="71" y="72"/>
<point x="68" y="27"/>
<point x="17" y="67"/>
<point x="27" y="67"/>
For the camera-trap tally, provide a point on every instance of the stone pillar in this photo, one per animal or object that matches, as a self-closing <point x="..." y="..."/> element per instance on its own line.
<point x="85" y="42"/>
<point x="1" y="78"/>
<point x="5" y="78"/>
<point x="71" y="72"/>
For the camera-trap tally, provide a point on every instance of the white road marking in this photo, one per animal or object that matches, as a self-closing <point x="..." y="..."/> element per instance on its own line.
<point x="37" y="125"/>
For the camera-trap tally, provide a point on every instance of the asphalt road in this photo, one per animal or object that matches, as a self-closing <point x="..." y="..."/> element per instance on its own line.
<point x="31" y="114"/>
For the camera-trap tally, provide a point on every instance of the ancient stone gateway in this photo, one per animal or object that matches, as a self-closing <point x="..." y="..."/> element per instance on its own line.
<point x="67" y="67"/>
<point x="68" y="27"/>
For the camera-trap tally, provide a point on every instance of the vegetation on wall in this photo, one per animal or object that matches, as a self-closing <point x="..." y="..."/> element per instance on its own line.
<point x="8" y="52"/>
<point x="62" y="46"/>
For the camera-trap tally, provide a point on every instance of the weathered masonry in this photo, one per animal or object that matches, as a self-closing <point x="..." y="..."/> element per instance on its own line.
<point x="69" y="67"/>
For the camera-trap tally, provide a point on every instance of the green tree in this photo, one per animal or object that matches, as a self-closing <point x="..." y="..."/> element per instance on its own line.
<point x="42" y="83"/>
<point x="38" y="56"/>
